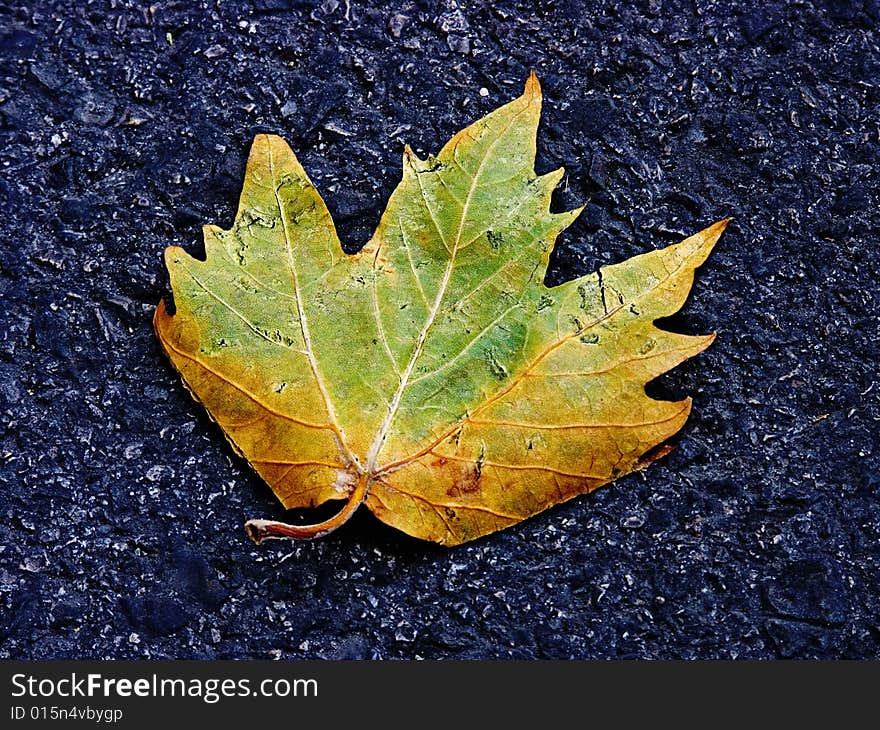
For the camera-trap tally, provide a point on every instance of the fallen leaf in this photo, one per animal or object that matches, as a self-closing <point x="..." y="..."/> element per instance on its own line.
<point x="432" y="376"/>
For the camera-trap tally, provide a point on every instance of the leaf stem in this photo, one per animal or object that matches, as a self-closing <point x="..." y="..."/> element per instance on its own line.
<point x="259" y="530"/>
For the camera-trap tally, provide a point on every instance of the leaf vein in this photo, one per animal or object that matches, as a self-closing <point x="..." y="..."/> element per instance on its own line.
<point x="572" y="426"/>
<point x="412" y="265"/>
<point x="307" y="341"/>
<point x="452" y="505"/>
<point x="399" y="463"/>
<point x="376" y="446"/>
<point x="521" y="467"/>
<point x="449" y="363"/>
<point x="250" y="325"/>
<point x="244" y="391"/>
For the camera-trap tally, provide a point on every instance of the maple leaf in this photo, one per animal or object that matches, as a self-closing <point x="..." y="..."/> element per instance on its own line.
<point x="432" y="376"/>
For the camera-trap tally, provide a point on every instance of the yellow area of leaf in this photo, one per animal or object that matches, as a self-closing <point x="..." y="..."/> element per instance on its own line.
<point x="432" y="376"/>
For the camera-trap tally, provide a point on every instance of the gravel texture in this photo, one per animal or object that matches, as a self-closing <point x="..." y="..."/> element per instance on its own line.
<point x="124" y="126"/>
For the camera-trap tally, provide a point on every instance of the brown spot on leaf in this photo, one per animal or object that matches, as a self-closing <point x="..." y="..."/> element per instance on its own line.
<point x="467" y="480"/>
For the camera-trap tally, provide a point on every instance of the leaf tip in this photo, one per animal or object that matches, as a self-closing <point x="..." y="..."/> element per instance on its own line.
<point x="549" y="181"/>
<point x="709" y="236"/>
<point x="697" y="247"/>
<point x="553" y="177"/>
<point x="411" y="161"/>
<point x="270" y="140"/>
<point x="652" y="455"/>
<point x="261" y="143"/>
<point x="575" y="212"/>
<point x="173" y="255"/>
<point x="566" y="218"/>
<point x="160" y="316"/>
<point x="713" y="232"/>
<point x="716" y="229"/>
<point x="533" y="86"/>
<point x="697" y="343"/>
<point x="211" y="236"/>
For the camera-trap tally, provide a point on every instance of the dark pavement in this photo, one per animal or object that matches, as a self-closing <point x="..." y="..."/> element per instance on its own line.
<point x="124" y="126"/>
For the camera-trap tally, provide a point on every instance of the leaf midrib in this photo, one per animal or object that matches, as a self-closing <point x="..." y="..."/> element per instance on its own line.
<point x="384" y="428"/>
<point x="339" y="435"/>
